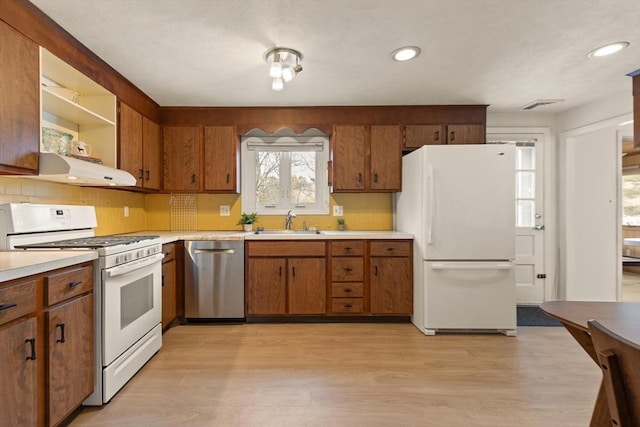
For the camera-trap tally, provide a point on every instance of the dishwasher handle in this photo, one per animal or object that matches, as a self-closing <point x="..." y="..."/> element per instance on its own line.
<point x="214" y="251"/>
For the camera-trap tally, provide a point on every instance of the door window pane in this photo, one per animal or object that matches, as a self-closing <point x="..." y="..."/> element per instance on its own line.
<point x="525" y="158"/>
<point x="525" y="213"/>
<point x="136" y="299"/>
<point x="525" y="186"/>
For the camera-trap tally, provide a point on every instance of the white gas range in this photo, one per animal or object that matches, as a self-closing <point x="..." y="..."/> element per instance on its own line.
<point x="127" y="284"/>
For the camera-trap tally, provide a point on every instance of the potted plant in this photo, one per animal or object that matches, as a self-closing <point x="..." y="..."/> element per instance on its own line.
<point x="341" y="224"/>
<point x="247" y="220"/>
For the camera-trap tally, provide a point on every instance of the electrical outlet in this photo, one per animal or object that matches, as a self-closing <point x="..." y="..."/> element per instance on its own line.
<point x="338" y="211"/>
<point x="224" y="210"/>
<point x="126" y="211"/>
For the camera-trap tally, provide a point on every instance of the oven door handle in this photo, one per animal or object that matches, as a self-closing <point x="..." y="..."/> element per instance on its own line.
<point x="132" y="266"/>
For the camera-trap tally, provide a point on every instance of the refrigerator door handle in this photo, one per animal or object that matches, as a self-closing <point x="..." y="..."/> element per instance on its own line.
<point x="466" y="266"/>
<point x="432" y="203"/>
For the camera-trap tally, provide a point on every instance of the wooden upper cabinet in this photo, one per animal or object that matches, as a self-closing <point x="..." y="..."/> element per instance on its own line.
<point x="19" y="103"/>
<point x="221" y="159"/>
<point x="130" y="149"/>
<point x="139" y="148"/>
<point x="466" y="134"/>
<point x="415" y="136"/>
<point x="386" y="158"/>
<point x="181" y="147"/>
<point x="348" y="158"/>
<point x="366" y="158"/>
<point x="151" y="154"/>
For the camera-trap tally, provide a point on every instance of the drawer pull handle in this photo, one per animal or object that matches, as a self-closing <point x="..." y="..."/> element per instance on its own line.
<point x="61" y="326"/>
<point x="294" y="271"/>
<point x="147" y="175"/>
<point x="375" y="177"/>
<point x="375" y="270"/>
<point x="453" y="136"/>
<point x="359" y="177"/>
<point x="347" y="269"/>
<point x="140" y="174"/>
<point x="391" y="249"/>
<point x="348" y="290"/>
<point x="193" y="178"/>
<point x="348" y="306"/>
<point x="348" y="249"/>
<point x="437" y="135"/>
<point x="31" y="341"/>
<point x="280" y="271"/>
<point x="6" y="306"/>
<point x="228" y="178"/>
<point x="74" y="284"/>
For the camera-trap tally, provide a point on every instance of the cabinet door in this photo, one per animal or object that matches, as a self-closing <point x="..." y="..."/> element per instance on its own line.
<point x="307" y="286"/>
<point x="19" y="103"/>
<point x="348" y="158"/>
<point x="168" y="293"/>
<point x="130" y="148"/>
<point x="416" y="136"/>
<point x="386" y="158"/>
<point x="391" y="285"/>
<point x="151" y="154"/>
<point x="266" y="279"/>
<point x="181" y="147"/>
<point x="70" y="356"/>
<point x="465" y="134"/>
<point x="220" y="159"/>
<point x="18" y="374"/>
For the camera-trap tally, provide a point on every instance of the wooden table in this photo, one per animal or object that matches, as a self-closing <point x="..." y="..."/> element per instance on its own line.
<point x="623" y="318"/>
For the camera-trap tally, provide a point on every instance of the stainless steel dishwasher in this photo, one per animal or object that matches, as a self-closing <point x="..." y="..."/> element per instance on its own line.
<point x="214" y="280"/>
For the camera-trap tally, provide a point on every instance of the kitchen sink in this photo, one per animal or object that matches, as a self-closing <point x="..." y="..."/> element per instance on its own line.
<point x="287" y="232"/>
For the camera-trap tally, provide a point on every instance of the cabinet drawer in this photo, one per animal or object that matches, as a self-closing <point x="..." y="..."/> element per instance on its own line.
<point x="169" y="251"/>
<point x="347" y="290"/>
<point x="68" y="284"/>
<point x="347" y="248"/>
<point x="347" y="305"/>
<point x="347" y="269"/>
<point x="390" y="248"/>
<point x="17" y="300"/>
<point x="276" y="248"/>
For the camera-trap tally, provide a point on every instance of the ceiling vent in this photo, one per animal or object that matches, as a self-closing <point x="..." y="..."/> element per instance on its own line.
<point x="540" y="103"/>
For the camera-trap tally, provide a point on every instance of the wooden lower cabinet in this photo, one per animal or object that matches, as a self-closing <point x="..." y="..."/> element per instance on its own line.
<point x="266" y="286"/>
<point x="307" y="290"/>
<point x="391" y="277"/>
<point x="70" y="356"/>
<point x="19" y="374"/>
<point x="357" y="278"/>
<point x="286" y="278"/>
<point x="169" y="289"/>
<point x="46" y="346"/>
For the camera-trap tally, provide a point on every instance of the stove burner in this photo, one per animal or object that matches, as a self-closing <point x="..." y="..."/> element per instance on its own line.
<point x="89" y="242"/>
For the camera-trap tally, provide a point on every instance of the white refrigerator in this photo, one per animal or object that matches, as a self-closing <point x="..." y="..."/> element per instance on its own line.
<point x="459" y="203"/>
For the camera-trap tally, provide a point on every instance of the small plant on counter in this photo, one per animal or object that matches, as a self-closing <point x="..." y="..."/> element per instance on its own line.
<point x="247" y="220"/>
<point x="341" y="224"/>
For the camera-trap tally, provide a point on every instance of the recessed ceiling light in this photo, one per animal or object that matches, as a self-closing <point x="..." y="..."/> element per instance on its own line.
<point x="405" y="53"/>
<point x="608" y="49"/>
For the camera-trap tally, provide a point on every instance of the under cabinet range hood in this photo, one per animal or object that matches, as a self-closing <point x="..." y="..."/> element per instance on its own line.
<point x="68" y="170"/>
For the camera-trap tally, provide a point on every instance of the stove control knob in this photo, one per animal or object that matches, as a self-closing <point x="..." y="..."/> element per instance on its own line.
<point x="128" y="257"/>
<point x="139" y="254"/>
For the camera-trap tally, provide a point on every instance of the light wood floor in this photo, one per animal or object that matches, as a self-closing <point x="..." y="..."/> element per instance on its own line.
<point x="356" y="375"/>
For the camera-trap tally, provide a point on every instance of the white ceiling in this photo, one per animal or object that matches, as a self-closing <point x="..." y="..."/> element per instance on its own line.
<point x="506" y="53"/>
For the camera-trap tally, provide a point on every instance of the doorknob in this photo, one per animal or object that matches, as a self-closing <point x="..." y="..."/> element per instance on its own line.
<point x="539" y="227"/>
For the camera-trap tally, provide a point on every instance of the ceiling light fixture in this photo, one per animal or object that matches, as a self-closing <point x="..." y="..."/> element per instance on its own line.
<point x="608" y="49"/>
<point x="284" y="65"/>
<point x="405" y="53"/>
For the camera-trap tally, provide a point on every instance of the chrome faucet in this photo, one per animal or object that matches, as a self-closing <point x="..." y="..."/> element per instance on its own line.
<point x="287" y="221"/>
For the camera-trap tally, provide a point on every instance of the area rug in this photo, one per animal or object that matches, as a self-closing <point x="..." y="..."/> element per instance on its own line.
<point x="534" y="316"/>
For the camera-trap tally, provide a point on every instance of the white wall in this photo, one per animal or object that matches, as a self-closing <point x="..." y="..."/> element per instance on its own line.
<point x="588" y="172"/>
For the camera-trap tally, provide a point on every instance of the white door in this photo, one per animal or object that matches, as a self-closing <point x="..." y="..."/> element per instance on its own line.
<point x="469" y="211"/>
<point x="530" y="270"/>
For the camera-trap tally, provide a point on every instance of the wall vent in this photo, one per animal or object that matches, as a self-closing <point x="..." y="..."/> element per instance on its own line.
<point x="540" y="103"/>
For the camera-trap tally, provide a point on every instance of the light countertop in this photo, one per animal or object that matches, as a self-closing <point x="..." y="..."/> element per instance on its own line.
<point x="17" y="264"/>
<point x="172" y="236"/>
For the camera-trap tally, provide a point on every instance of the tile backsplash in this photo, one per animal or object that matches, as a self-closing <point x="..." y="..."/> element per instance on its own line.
<point x="180" y="211"/>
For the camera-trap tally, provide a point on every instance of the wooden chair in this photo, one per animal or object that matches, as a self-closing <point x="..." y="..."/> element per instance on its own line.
<point x="620" y="363"/>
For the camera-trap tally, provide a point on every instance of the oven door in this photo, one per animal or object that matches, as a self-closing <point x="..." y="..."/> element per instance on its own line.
<point x="131" y="304"/>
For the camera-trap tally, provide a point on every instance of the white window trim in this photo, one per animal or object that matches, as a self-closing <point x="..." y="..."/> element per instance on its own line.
<point x="248" y="173"/>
